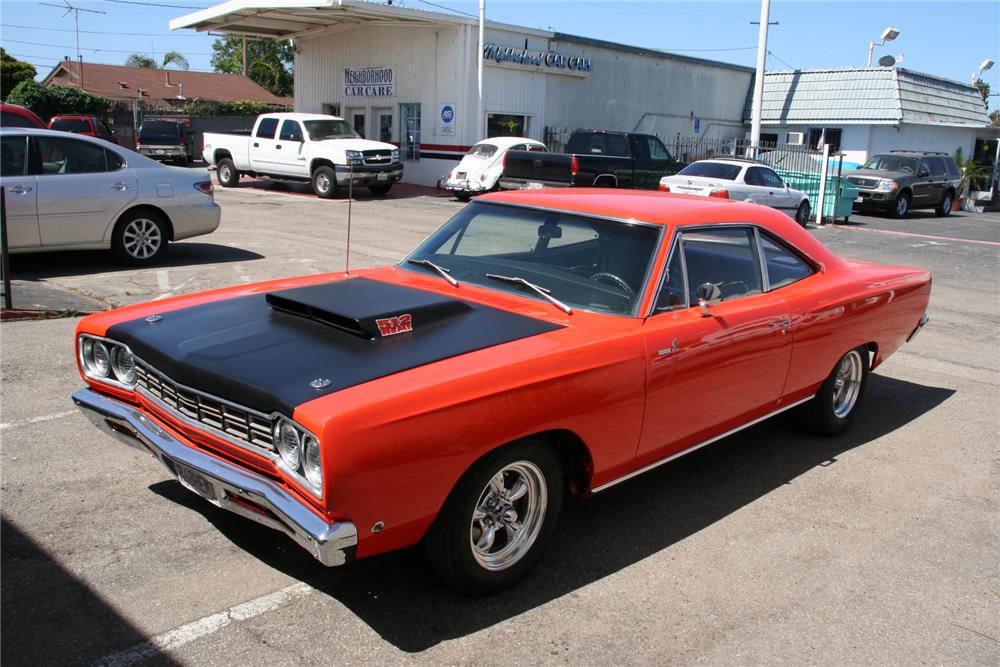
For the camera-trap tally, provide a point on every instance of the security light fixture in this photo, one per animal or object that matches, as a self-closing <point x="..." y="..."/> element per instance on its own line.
<point x="985" y="65"/>
<point x="889" y="34"/>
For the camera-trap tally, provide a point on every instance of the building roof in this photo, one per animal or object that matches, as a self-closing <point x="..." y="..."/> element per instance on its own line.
<point x="161" y="87"/>
<point x="875" y="95"/>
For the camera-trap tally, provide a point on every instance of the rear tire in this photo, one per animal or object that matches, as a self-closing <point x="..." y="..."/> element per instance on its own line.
<point x="228" y="174"/>
<point x="498" y="520"/>
<point x="139" y="238"/>
<point x="832" y="410"/>
<point x="324" y="182"/>
<point x="944" y="208"/>
<point x="803" y="213"/>
<point x="463" y="196"/>
<point x="901" y="206"/>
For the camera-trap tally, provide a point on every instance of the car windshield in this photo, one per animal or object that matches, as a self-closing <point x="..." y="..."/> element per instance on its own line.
<point x="71" y="125"/>
<point x="319" y="130"/>
<point x="588" y="263"/>
<point x="892" y="163"/>
<point x="726" y="172"/>
<point x="483" y="150"/>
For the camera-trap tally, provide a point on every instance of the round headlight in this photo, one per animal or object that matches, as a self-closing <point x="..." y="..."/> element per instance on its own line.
<point x="286" y="438"/>
<point x="310" y="461"/>
<point x="123" y="365"/>
<point x="100" y="359"/>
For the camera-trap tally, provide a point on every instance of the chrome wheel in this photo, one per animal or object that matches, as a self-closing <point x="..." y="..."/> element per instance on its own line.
<point x="224" y="173"/>
<point x="508" y="515"/>
<point x="902" y="206"/>
<point x="322" y="183"/>
<point x="142" y="238"/>
<point x="847" y="383"/>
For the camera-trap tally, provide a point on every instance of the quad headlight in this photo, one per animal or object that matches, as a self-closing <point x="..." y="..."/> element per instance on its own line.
<point x="353" y="157"/>
<point x="107" y="361"/>
<point x="298" y="454"/>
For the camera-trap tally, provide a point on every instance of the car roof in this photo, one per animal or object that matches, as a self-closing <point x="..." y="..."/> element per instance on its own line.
<point x="508" y="141"/>
<point x="742" y="162"/>
<point x="71" y="117"/>
<point x="290" y="115"/>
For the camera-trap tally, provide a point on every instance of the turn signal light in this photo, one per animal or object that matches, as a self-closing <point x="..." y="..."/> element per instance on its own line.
<point x="719" y="194"/>
<point x="664" y="187"/>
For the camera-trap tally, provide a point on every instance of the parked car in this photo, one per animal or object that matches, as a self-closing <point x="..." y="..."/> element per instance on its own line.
<point x="537" y="344"/>
<point x="14" y="115"/>
<point x="594" y="158"/>
<point x="166" y="140"/>
<point x="323" y="150"/>
<point x="745" y="180"/>
<point x="898" y="181"/>
<point x="482" y="167"/>
<point x="71" y="192"/>
<point x="88" y="126"/>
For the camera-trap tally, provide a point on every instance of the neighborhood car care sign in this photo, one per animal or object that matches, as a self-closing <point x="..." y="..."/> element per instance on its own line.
<point x="369" y="82"/>
<point x="547" y="59"/>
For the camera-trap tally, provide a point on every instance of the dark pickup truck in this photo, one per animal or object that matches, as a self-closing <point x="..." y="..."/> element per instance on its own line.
<point x="594" y="158"/>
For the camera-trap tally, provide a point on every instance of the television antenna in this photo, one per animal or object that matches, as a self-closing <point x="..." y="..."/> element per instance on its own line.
<point x="76" y="16"/>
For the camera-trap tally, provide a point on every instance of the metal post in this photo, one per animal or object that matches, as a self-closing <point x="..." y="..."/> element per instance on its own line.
<point x="758" y="87"/>
<point x="350" y="197"/>
<point x="4" y="255"/>
<point x="822" y="183"/>
<point x="871" y="47"/>
<point x="481" y="123"/>
<point x="244" y="55"/>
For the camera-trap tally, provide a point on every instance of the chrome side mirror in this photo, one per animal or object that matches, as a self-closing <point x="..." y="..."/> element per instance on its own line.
<point x="709" y="296"/>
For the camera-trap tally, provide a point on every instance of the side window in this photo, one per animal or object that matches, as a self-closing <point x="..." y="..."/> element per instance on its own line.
<point x="14" y="152"/>
<point x="290" y="131"/>
<point x="924" y="169"/>
<point x="771" y="179"/>
<point x="409" y="138"/>
<point x="937" y="166"/>
<point x="952" y="168"/>
<point x="726" y="257"/>
<point x="266" y="128"/>
<point x="673" y="295"/>
<point x="657" y="150"/>
<point x="617" y="146"/>
<point x="784" y="266"/>
<point x="754" y="176"/>
<point x="69" y="156"/>
<point x="518" y="147"/>
<point x="115" y="161"/>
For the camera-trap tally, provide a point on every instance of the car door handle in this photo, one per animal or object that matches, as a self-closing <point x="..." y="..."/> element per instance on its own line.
<point x="278" y="146"/>
<point x="20" y="189"/>
<point x="780" y="323"/>
<point x="256" y="145"/>
<point x="119" y="186"/>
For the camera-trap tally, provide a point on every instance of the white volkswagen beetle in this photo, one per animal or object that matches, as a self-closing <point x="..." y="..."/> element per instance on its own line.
<point x="482" y="166"/>
<point x="735" y="178"/>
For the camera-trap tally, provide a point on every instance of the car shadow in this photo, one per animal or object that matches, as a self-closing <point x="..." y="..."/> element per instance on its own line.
<point x="853" y="221"/>
<point x="359" y="193"/>
<point x="42" y="265"/>
<point x="400" y="598"/>
<point x="52" y="618"/>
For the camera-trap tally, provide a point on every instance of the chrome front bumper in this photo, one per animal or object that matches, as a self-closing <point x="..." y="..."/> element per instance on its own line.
<point x="913" y="334"/>
<point x="330" y="543"/>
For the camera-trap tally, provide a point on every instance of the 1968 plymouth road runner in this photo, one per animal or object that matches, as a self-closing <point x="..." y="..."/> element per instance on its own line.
<point x="538" y="344"/>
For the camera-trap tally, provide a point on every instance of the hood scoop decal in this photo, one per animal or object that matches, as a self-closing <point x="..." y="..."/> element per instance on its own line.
<point x="366" y="308"/>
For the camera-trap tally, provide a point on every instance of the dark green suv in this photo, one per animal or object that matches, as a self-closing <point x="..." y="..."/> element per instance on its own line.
<point x="898" y="181"/>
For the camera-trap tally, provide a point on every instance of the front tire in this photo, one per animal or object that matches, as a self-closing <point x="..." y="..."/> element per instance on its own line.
<point x="901" y="206"/>
<point x="324" y="182"/>
<point x="944" y="208"/>
<point x="832" y="410"/>
<point x="228" y="174"/>
<point x="139" y="238"/>
<point x="498" y="520"/>
<point x="803" y="213"/>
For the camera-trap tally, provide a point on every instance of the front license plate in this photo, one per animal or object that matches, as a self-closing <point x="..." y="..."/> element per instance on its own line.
<point x="859" y="200"/>
<point x="195" y="481"/>
<point x="383" y="177"/>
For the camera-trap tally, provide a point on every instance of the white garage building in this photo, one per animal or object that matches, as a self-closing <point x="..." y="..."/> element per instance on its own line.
<point x="411" y="77"/>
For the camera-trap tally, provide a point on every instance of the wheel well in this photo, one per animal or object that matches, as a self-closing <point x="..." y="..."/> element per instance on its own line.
<point x="148" y="208"/>
<point x="574" y="457"/>
<point x="905" y="192"/>
<point x="607" y="181"/>
<point x="220" y="154"/>
<point x="874" y="359"/>
<point x="950" y="191"/>
<point x="321" y="162"/>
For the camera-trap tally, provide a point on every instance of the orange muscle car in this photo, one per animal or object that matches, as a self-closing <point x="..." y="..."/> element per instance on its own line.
<point x="537" y="344"/>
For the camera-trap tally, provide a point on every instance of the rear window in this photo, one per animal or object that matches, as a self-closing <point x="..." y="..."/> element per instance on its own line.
<point x="71" y="125"/>
<point x="726" y="172"/>
<point x="11" y="119"/>
<point x="597" y="144"/>
<point x="483" y="150"/>
<point x="163" y="129"/>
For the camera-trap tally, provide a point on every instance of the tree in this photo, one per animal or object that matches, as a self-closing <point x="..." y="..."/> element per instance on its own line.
<point x="175" y="58"/>
<point x="995" y="117"/>
<point x="13" y="72"/>
<point x="270" y="62"/>
<point x="140" y="60"/>
<point x="56" y="100"/>
<point x="984" y="90"/>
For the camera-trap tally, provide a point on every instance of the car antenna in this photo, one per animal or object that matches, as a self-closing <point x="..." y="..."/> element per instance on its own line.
<point x="350" y="196"/>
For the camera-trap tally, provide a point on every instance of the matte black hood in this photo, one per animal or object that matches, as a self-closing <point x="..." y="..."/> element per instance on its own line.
<point x="263" y="350"/>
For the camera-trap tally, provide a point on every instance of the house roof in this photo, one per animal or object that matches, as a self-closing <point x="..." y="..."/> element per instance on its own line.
<point x="875" y="95"/>
<point x="161" y="87"/>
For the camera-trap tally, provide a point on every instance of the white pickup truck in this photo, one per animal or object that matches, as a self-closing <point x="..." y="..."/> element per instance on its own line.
<point x="324" y="150"/>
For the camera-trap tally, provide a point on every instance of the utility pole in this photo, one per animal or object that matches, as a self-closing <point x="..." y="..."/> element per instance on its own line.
<point x="481" y="122"/>
<point x="244" y="55"/>
<point x="758" y="87"/>
<point x="76" y="16"/>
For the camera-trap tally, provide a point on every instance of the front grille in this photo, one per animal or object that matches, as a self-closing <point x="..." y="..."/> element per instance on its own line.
<point x="863" y="182"/>
<point x="377" y="157"/>
<point x="238" y="423"/>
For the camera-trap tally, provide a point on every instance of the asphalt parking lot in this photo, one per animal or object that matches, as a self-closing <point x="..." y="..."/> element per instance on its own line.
<point x="876" y="547"/>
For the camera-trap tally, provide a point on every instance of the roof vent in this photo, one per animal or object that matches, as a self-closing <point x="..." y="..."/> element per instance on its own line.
<point x="123" y="85"/>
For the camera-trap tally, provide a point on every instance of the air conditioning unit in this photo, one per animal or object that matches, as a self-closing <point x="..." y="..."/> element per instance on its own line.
<point x="795" y="138"/>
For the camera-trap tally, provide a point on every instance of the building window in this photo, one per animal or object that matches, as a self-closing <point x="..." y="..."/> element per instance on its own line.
<point x="506" y="125"/>
<point x="409" y="137"/>
<point x="831" y="136"/>
<point x="768" y="140"/>
<point x="332" y="109"/>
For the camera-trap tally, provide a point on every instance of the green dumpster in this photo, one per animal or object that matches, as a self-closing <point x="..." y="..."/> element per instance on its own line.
<point x="840" y="192"/>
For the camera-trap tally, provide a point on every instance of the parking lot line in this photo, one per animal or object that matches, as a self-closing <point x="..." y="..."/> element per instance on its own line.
<point x="34" y="420"/>
<point x="915" y="235"/>
<point x="204" y="626"/>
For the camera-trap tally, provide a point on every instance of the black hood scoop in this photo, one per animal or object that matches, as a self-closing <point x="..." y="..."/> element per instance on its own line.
<point x="360" y="306"/>
<point x="264" y="350"/>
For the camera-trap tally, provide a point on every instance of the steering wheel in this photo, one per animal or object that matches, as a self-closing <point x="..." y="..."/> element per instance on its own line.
<point x="617" y="281"/>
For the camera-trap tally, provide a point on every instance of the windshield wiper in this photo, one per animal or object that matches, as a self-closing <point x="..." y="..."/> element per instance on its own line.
<point x="445" y="273"/>
<point x="517" y="280"/>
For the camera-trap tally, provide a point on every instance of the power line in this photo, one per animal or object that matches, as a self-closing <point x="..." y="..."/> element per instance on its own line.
<point x="101" y="32"/>
<point x="90" y="48"/>
<point x="449" y="9"/>
<point x="771" y="53"/>
<point x="738" y="48"/>
<point x="28" y="59"/>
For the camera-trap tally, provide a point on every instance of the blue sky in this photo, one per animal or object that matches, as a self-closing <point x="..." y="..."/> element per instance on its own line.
<point x="947" y="38"/>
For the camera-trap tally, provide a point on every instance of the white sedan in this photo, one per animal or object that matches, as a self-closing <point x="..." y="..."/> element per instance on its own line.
<point x="744" y="180"/>
<point x="482" y="166"/>
<point x="71" y="192"/>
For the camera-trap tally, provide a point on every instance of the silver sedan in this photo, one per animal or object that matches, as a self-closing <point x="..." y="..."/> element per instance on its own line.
<point x="71" y="192"/>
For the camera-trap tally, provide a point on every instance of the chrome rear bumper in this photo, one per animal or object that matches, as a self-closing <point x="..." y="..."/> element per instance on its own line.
<point x="223" y="484"/>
